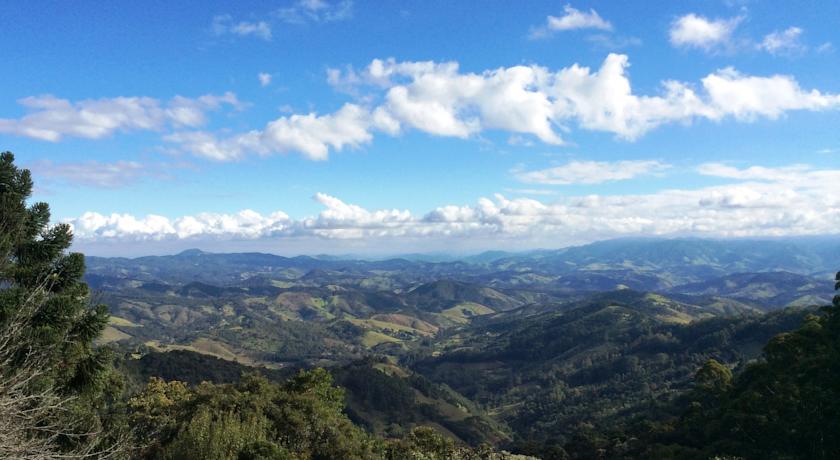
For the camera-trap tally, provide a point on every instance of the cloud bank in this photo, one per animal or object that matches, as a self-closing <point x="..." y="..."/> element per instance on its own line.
<point x="759" y="201"/>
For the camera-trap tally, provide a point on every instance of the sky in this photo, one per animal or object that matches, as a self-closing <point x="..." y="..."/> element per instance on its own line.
<point x="351" y="127"/>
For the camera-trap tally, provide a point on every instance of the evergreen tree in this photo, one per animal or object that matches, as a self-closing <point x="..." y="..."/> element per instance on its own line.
<point x="51" y="375"/>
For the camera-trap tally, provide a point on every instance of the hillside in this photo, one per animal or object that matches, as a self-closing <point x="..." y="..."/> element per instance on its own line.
<point x="383" y="398"/>
<point x="597" y="364"/>
<point x="768" y="290"/>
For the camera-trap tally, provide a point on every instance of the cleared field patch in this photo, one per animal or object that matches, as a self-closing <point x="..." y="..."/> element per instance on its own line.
<point x="464" y="312"/>
<point x="111" y="334"/>
<point x="204" y="346"/>
<point x="373" y="338"/>
<point x="388" y="327"/>
<point x="408" y="321"/>
<point x="121" y="322"/>
<point x="301" y="305"/>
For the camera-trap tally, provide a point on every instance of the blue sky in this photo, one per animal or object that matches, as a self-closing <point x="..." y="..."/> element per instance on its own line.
<point x="386" y="127"/>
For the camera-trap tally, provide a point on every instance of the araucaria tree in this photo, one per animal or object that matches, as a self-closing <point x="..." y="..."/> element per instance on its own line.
<point x="52" y="378"/>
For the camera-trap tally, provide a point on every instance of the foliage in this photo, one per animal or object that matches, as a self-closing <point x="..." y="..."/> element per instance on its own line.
<point x="253" y="418"/>
<point x="593" y="368"/>
<point x="424" y="443"/>
<point x="785" y="406"/>
<point x="54" y="383"/>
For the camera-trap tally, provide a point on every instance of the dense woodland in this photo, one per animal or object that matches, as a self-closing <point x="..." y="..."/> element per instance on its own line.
<point x="618" y="350"/>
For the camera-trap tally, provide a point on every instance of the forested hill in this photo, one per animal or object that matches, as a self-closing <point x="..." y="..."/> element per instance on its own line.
<point x="597" y="365"/>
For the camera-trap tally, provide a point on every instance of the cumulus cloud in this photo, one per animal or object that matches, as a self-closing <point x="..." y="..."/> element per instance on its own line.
<point x="244" y="224"/>
<point x="224" y="24"/>
<point x="437" y="98"/>
<point x="312" y="135"/>
<point x="51" y="118"/>
<point x="694" y="31"/>
<point x="572" y="19"/>
<point x="791" y="200"/>
<point x="783" y="42"/>
<point x="592" y="172"/>
<point x="731" y="93"/>
<point x="315" y="11"/>
<point x="264" y="78"/>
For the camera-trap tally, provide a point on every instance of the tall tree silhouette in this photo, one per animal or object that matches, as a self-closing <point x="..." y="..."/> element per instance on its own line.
<point x="51" y="375"/>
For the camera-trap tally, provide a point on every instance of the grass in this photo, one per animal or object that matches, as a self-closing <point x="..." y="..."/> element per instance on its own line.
<point x="282" y="284"/>
<point x="405" y="320"/>
<point x="111" y="334"/>
<point x="387" y="326"/>
<point x="122" y="322"/>
<point x="373" y="338"/>
<point x="201" y="345"/>
<point x="462" y="313"/>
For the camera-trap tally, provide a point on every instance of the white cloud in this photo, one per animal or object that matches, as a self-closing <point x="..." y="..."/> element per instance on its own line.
<point x="610" y="42"/>
<point x="317" y="11"/>
<point x="224" y="24"/>
<point x="694" y="31"/>
<point x="264" y="78"/>
<point x="798" y="174"/>
<point x="792" y="200"/>
<point x="784" y="42"/>
<point x="301" y="12"/>
<point x="592" y="172"/>
<point x="712" y="35"/>
<point x="260" y="29"/>
<point x="731" y="93"/>
<point x="573" y="19"/>
<point x="342" y="220"/>
<point x="244" y="224"/>
<point x="311" y="134"/>
<point x="531" y="191"/>
<point x="207" y="145"/>
<point x="98" y="174"/>
<point x="604" y="100"/>
<point x="51" y="118"/>
<point x="439" y="99"/>
<point x="314" y="135"/>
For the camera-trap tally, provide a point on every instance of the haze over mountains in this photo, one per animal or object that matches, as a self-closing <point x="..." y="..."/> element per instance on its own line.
<point x="644" y="264"/>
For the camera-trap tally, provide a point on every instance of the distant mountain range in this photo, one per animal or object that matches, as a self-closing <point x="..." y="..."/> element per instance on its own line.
<point x="640" y="264"/>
